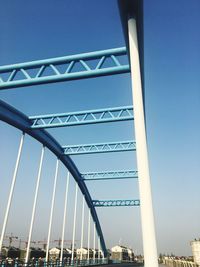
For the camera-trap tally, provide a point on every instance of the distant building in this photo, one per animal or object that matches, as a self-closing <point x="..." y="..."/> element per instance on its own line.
<point x="35" y="253"/>
<point x="196" y="250"/>
<point x="109" y="254"/>
<point x="84" y="252"/>
<point x="96" y="252"/>
<point x="54" y="253"/>
<point x="69" y="252"/>
<point x="130" y="254"/>
<point x="121" y="253"/>
<point x="10" y="252"/>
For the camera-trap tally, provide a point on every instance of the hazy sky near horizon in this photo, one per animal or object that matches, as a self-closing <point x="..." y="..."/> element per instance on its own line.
<point x="32" y="30"/>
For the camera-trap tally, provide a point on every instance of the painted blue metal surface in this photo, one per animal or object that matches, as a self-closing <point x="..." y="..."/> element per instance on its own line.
<point x="100" y="148"/>
<point x="82" y="117"/>
<point x="17" y="119"/>
<point x="116" y="203"/>
<point x="75" y="67"/>
<point x="110" y="175"/>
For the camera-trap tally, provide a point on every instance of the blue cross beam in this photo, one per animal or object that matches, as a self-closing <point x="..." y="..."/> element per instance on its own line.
<point x="82" y="117"/>
<point x="72" y="67"/>
<point x="110" y="175"/>
<point x="116" y="203"/>
<point x="100" y="148"/>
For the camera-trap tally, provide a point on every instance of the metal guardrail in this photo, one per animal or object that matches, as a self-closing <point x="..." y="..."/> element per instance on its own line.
<point x="179" y="263"/>
<point x="55" y="263"/>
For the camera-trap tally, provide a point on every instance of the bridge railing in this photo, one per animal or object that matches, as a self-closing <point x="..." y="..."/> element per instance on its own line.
<point x="55" y="263"/>
<point x="179" y="263"/>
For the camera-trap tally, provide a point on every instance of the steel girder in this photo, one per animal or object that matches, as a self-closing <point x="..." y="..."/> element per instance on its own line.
<point x="110" y="175"/>
<point x="116" y="203"/>
<point x="64" y="68"/>
<point x="17" y="119"/>
<point x="82" y="117"/>
<point x="100" y="148"/>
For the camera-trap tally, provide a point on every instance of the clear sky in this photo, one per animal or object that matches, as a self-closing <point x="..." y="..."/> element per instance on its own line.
<point x="32" y="30"/>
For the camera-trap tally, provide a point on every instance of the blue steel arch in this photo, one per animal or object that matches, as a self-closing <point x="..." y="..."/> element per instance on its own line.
<point x="19" y="120"/>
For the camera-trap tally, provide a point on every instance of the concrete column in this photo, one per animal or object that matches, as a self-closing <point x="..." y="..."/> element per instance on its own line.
<point x="147" y="218"/>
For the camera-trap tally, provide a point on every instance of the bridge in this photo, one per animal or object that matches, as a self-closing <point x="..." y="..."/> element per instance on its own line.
<point x="43" y="128"/>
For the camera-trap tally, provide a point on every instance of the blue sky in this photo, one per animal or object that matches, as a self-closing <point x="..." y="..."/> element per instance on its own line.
<point x="44" y="29"/>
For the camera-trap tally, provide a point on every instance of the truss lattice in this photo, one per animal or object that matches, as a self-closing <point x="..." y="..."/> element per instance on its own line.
<point x="100" y="148"/>
<point x="82" y="117"/>
<point x="116" y="203"/>
<point x="110" y="175"/>
<point x="94" y="64"/>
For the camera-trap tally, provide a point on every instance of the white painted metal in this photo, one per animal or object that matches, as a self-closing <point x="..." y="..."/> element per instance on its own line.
<point x="88" y="256"/>
<point x="64" y="217"/>
<point x="11" y="191"/>
<point x="82" y="226"/>
<point x="99" y="255"/>
<point x="147" y="218"/>
<point x="74" y="225"/>
<point x="34" y="205"/>
<point x="94" y="233"/>
<point x="52" y="209"/>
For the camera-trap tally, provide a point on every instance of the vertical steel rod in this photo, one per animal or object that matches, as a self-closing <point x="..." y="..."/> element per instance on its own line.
<point x="88" y="256"/>
<point x="34" y="205"/>
<point x="52" y="209"/>
<point x="64" y="217"/>
<point x="99" y="250"/>
<point x="94" y="242"/>
<point x="11" y="191"/>
<point x="102" y="254"/>
<point x="82" y="226"/>
<point x="147" y="217"/>
<point x="74" y="225"/>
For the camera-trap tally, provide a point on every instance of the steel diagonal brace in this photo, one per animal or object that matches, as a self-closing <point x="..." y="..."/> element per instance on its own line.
<point x="75" y="67"/>
<point x="110" y="175"/>
<point x="100" y="148"/>
<point x="116" y="203"/>
<point x="82" y="117"/>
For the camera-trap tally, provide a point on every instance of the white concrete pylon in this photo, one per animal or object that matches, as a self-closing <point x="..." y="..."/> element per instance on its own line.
<point x="147" y="218"/>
